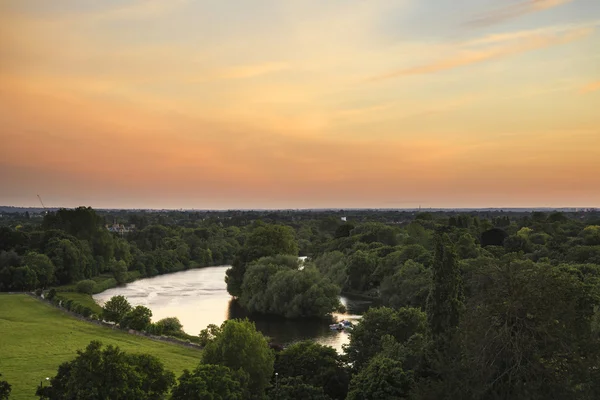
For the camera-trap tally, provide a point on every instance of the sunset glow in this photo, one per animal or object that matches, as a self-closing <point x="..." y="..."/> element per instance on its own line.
<point x="300" y="103"/>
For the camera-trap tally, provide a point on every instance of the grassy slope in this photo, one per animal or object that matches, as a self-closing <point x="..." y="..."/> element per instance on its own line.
<point x="36" y="337"/>
<point x="83" y="299"/>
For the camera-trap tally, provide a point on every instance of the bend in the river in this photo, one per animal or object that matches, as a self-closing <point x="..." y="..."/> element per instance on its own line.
<point x="199" y="297"/>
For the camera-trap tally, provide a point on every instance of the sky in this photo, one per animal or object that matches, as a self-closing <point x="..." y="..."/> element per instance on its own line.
<point x="220" y="104"/>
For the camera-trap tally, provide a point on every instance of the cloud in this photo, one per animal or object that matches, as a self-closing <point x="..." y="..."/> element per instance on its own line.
<point x="590" y="87"/>
<point x="514" y="11"/>
<point x="495" y="47"/>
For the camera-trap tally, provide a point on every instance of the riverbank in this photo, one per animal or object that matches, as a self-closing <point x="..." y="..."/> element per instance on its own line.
<point x="37" y="337"/>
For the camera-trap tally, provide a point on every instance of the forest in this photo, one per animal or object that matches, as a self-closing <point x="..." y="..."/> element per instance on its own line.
<point x="474" y="305"/>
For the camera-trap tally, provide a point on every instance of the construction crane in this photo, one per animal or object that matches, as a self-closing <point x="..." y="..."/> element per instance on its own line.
<point x="42" y="203"/>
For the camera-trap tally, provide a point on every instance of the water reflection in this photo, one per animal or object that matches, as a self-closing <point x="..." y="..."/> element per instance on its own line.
<point x="199" y="297"/>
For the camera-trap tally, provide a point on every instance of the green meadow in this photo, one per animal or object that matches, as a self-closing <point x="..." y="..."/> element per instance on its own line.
<point x="36" y="337"/>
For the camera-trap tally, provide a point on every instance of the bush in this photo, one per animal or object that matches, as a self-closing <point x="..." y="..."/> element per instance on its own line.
<point x="51" y="294"/>
<point x="38" y="292"/>
<point x="169" y="325"/>
<point x="86" y="286"/>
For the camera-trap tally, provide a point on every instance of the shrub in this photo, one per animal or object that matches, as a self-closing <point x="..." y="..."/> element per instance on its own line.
<point x="51" y="294"/>
<point x="86" y="286"/>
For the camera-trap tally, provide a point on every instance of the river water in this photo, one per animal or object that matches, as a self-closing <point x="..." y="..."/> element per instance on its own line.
<point x="199" y="297"/>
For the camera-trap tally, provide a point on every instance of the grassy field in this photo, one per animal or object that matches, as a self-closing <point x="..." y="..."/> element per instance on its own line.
<point x="36" y="337"/>
<point x="83" y="299"/>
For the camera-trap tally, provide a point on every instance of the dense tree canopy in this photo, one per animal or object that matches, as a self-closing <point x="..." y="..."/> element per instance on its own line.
<point x="238" y="346"/>
<point x="109" y="373"/>
<point x="315" y="364"/>
<point x="484" y="304"/>
<point x="214" y="382"/>
<point x="115" y="309"/>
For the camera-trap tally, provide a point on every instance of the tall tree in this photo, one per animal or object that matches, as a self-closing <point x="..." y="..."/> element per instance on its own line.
<point x="100" y="374"/>
<point x="115" y="309"/>
<point x="315" y="364"/>
<point x="264" y="240"/>
<point x="382" y="379"/>
<point x="239" y="346"/>
<point x="445" y="300"/>
<point x="214" y="382"/>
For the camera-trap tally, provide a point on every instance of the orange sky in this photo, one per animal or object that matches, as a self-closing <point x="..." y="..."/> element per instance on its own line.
<point x="300" y="104"/>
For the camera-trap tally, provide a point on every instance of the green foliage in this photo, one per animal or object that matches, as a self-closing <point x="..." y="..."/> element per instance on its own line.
<point x="263" y="241"/>
<point x="445" y="300"/>
<point x="169" y="325"/>
<point x="115" y="309"/>
<point x="527" y="331"/>
<point x="30" y="330"/>
<point x="119" y="271"/>
<point x="361" y="266"/>
<point x="215" y="382"/>
<point x="86" y="286"/>
<point x="240" y="347"/>
<point x="366" y="338"/>
<point x="51" y="294"/>
<point x="383" y="378"/>
<point x="296" y="389"/>
<point x="86" y="301"/>
<point x="209" y="333"/>
<point x="42" y="266"/>
<point x="109" y="373"/>
<point x="316" y="365"/>
<point x="139" y="318"/>
<point x="5" y="389"/>
<point x="408" y="287"/>
<point x="272" y="287"/>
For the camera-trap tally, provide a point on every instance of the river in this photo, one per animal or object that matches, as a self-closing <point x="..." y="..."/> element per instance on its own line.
<point x="199" y="297"/>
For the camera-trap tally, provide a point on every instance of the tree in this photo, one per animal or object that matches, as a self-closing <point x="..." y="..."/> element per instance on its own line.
<point x="382" y="379"/>
<point x="71" y="259"/>
<point x="99" y="374"/>
<point x="296" y="389"/>
<point x="527" y="332"/>
<point x="445" y="300"/>
<point x="24" y="278"/>
<point x="240" y="346"/>
<point x="366" y="337"/>
<point x="271" y="288"/>
<point x="115" y="309"/>
<point x="119" y="270"/>
<point x="86" y="286"/>
<point x="42" y="266"/>
<point x="169" y="325"/>
<point x="493" y="237"/>
<point x="5" y="390"/>
<point x="264" y="240"/>
<point x="359" y="269"/>
<point x="215" y="382"/>
<point x="139" y="318"/>
<point x="316" y="365"/>
<point x="408" y="287"/>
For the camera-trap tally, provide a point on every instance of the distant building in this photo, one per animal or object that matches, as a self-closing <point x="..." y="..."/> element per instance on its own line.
<point x="343" y="219"/>
<point x="120" y="228"/>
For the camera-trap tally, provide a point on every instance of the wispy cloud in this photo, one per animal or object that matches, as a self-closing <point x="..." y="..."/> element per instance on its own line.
<point x="514" y="11"/>
<point x="590" y="87"/>
<point x="495" y="47"/>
